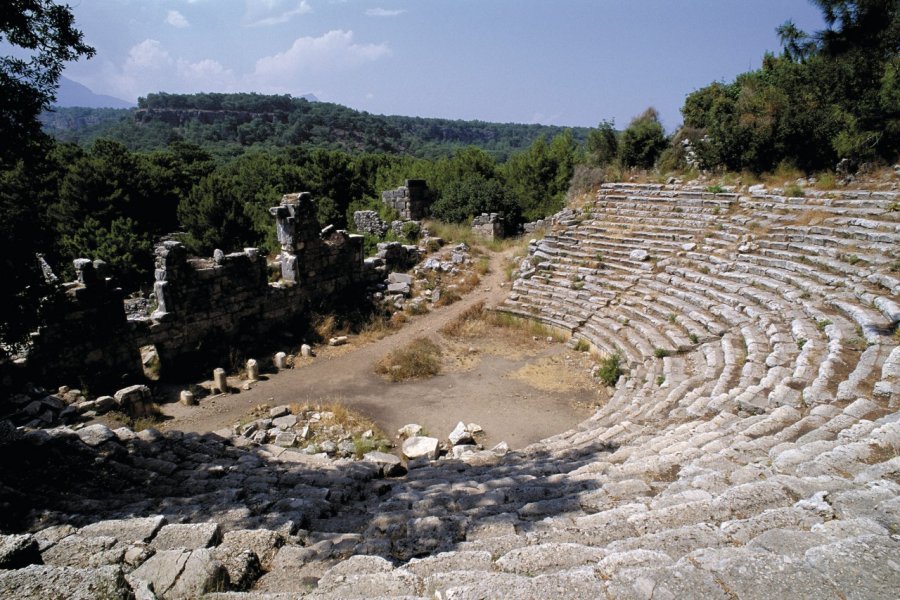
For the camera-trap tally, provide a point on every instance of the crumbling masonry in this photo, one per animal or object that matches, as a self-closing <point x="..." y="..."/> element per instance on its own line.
<point x="204" y="306"/>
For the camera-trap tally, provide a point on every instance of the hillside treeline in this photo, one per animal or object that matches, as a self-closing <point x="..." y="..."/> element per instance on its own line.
<point x="227" y="124"/>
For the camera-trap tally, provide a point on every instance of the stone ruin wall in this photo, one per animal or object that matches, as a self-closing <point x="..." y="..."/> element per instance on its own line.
<point x="412" y="201"/>
<point x="88" y="340"/>
<point x="490" y="226"/>
<point x="203" y="305"/>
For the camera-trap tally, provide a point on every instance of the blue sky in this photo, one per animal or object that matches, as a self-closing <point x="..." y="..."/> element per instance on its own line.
<point x="562" y="62"/>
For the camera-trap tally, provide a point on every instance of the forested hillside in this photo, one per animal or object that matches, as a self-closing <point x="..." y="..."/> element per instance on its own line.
<point x="230" y="122"/>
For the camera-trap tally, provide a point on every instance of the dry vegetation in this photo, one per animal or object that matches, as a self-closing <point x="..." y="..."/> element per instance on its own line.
<point x="419" y="359"/>
<point x="477" y="320"/>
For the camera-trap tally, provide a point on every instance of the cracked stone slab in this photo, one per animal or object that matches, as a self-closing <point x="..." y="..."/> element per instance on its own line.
<point x="182" y="574"/>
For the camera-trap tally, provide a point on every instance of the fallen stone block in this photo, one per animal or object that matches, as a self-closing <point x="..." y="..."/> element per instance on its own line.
<point x="390" y="465"/>
<point x="421" y="447"/>
<point x="460" y="435"/>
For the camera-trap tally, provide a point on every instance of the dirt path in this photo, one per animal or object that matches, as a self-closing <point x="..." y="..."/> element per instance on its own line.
<point x="508" y="408"/>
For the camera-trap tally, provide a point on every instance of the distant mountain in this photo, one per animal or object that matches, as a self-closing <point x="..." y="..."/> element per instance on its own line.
<point x="72" y="93"/>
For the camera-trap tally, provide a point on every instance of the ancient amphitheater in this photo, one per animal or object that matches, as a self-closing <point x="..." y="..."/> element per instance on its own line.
<point x="751" y="449"/>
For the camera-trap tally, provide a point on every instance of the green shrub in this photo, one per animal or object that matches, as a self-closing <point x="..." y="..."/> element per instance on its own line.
<point x="610" y="369"/>
<point x="794" y="191"/>
<point x="582" y="346"/>
<point x="411" y="230"/>
<point x="643" y="140"/>
<point x="660" y="352"/>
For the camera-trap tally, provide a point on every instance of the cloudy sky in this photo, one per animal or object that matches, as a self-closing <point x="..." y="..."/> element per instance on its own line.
<point x="564" y="62"/>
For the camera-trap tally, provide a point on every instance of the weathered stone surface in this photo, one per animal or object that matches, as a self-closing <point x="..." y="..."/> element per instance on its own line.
<point x="421" y="447"/>
<point x="862" y="567"/>
<point x="389" y="464"/>
<point x="252" y="369"/>
<point x="460" y="435"/>
<point x="94" y="435"/>
<point x="285" y="439"/>
<point x="762" y="575"/>
<point x="242" y="565"/>
<point x="549" y="557"/>
<point x="84" y="552"/>
<point x="409" y="430"/>
<point x="132" y="395"/>
<point x="44" y="582"/>
<point x="639" y="255"/>
<point x="126" y="530"/>
<point x="264" y="543"/>
<point x="279" y="411"/>
<point x="189" y="536"/>
<point x="17" y="551"/>
<point x="402" y="278"/>
<point x="182" y="574"/>
<point x="220" y="380"/>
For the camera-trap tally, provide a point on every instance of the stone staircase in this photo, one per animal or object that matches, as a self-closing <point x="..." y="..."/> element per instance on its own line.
<point x="751" y="449"/>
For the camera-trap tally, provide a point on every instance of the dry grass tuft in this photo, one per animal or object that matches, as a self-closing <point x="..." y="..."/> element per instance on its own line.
<point x="419" y="359"/>
<point x="470" y="323"/>
<point x="325" y="326"/>
<point x="811" y="217"/>
<point x="449" y="296"/>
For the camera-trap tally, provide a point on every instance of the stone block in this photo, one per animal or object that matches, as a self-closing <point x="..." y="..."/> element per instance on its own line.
<point x="252" y="370"/>
<point x="182" y="574"/>
<point x="421" y="447"/>
<point x="133" y="395"/>
<point x="460" y="435"/>
<point x="126" y="530"/>
<point x="389" y="464"/>
<point x="190" y="536"/>
<point x="45" y="581"/>
<point x="186" y="397"/>
<point x="220" y="381"/>
<point x="18" y="551"/>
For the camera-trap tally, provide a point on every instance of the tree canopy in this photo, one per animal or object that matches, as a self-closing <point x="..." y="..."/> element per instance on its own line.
<point x="830" y="95"/>
<point x="41" y="37"/>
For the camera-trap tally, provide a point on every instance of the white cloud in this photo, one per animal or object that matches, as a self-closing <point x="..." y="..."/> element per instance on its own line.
<point x="333" y="50"/>
<point x="176" y="19"/>
<point x="149" y="68"/>
<point x="274" y="12"/>
<point x="383" y="12"/>
<point x="149" y="54"/>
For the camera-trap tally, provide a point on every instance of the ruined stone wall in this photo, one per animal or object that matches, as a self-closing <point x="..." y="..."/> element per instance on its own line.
<point x="204" y="306"/>
<point x="86" y="342"/>
<point x="412" y="201"/>
<point x="490" y="226"/>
